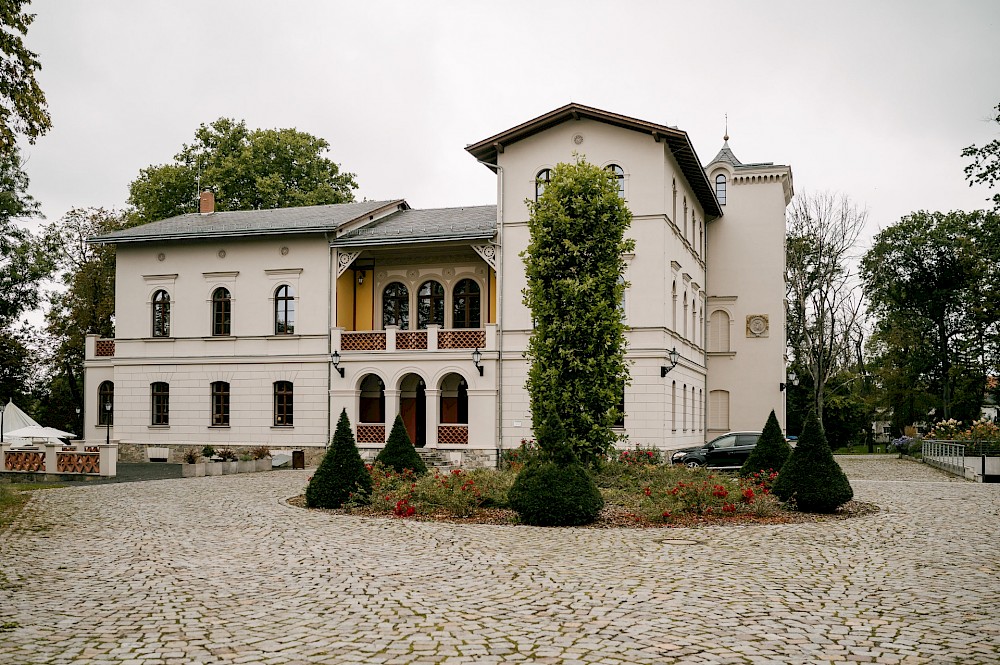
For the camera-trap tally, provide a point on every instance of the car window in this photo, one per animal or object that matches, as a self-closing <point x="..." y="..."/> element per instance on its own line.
<point x="724" y="442"/>
<point x="748" y="439"/>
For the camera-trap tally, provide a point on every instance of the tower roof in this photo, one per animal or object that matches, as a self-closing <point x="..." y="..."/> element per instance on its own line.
<point x="726" y="155"/>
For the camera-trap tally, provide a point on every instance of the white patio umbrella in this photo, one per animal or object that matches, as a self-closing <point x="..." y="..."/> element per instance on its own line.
<point x="39" y="432"/>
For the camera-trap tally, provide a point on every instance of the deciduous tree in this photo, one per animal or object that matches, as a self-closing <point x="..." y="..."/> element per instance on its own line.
<point x="985" y="166"/>
<point x="23" y="109"/>
<point x="247" y="170"/>
<point x="823" y="297"/>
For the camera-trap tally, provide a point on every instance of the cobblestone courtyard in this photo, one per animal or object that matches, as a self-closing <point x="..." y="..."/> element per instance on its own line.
<point x="219" y="570"/>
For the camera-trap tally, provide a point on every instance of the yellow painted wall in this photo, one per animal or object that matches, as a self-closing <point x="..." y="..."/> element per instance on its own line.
<point x="354" y="302"/>
<point x="493" y="296"/>
<point x="345" y="300"/>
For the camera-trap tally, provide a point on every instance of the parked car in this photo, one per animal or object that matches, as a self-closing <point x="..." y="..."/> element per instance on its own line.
<point x="728" y="451"/>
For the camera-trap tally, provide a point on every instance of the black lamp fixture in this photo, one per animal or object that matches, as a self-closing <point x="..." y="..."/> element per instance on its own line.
<point x="792" y="379"/>
<point x="674" y="357"/>
<point x="2" y="407"/>
<point x="361" y="277"/>
<point x="335" y="358"/>
<point x="477" y="355"/>
<point x="107" y="407"/>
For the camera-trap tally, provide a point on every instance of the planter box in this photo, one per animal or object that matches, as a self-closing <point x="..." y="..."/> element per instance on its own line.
<point x="194" y="470"/>
<point x="263" y="464"/>
<point x="230" y="468"/>
<point x="157" y="454"/>
<point x="213" y="468"/>
<point x="248" y="466"/>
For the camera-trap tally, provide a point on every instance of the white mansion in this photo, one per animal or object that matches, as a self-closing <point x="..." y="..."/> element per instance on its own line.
<point x="259" y="327"/>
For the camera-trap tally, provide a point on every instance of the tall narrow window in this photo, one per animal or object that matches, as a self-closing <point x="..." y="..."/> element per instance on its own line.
<point x="673" y="406"/>
<point x="673" y="307"/>
<point x="718" y="332"/>
<point x="620" y="420"/>
<point x="284" y="310"/>
<point x="430" y="304"/>
<point x="542" y="181"/>
<point x="685" y="217"/>
<point x="684" y="407"/>
<point x="159" y="403"/>
<point x="463" y="402"/>
<point x="283" y="403"/>
<point x="161" y="314"/>
<point x="718" y="410"/>
<point x="396" y="306"/>
<point x="619" y="174"/>
<point x="222" y="312"/>
<point x="105" y="395"/>
<point x="465" y="300"/>
<point x="720" y="189"/>
<point x="701" y="406"/>
<point x="684" y="319"/>
<point x="220" y="404"/>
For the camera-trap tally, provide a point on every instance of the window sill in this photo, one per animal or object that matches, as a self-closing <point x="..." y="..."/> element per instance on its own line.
<point x="218" y="427"/>
<point x="282" y="426"/>
<point x="717" y="354"/>
<point x="160" y="339"/>
<point x="157" y="426"/>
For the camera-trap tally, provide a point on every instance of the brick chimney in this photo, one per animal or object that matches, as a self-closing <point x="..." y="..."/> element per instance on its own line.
<point x="206" y="203"/>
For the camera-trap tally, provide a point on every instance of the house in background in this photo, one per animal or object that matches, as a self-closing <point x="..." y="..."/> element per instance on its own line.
<point x="259" y="327"/>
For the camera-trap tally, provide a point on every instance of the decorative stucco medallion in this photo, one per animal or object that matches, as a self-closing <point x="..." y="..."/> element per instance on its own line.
<point x="578" y="139"/>
<point x="757" y="325"/>
<point x="222" y="253"/>
<point x="161" y="257"/>
<point x="412" y="274"/>
<point x="284" y="251"/>
<point x="448" y="272"/>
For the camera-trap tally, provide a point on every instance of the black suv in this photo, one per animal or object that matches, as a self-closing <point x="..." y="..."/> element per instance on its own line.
<point x="728" y="451"/>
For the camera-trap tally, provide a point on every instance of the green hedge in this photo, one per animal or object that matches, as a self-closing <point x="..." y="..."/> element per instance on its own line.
<point x="341" y="473"/>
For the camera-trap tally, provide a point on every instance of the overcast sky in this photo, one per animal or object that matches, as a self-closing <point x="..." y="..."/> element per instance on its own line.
<point x="871" y="99"/>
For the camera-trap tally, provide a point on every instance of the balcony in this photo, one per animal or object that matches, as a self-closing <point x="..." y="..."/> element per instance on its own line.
<point x="432" y="339"/>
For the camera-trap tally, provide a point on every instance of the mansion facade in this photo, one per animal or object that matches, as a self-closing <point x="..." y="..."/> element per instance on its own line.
<point x="258" y="327"/>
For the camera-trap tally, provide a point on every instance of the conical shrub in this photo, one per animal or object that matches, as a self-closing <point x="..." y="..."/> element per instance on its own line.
<point x="341" y="473"/>
<point x="811" y="477"/>
<point x="771" y="452"/>
<point x="399" y="452"/>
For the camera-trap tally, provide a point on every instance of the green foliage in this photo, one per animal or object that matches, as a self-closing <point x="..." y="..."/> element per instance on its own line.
<point x="771" y="451"/>
<point x="985" y="166"/>
<point x="811" y="477"/>
<point x="22" y="101"/>
<point x="701" y="493"/>
<point x="554" y="494"/>
<point x="932" y="280"/>
<point x="342" y="472"/>
<point x="25" y="261"/>
<point x="574" y="269"/>
<point x="399" y="453"/>
<point x="247" y="170"/>
<point x="208" y="451"/>
<point x="517" y="458"/>
<point x="641" y="455"/>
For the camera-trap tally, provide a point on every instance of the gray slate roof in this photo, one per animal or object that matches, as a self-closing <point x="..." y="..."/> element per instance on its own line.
<point x="435" y="224"/>
<point x="726" y="155"/>
<point x="307" y="219"/>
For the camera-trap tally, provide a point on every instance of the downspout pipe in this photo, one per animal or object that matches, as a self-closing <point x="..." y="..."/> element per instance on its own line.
<point x="499" y="261"/>
<point x="329" y="338"/>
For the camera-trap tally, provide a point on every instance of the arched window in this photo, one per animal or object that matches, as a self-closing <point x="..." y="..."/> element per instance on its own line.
<point x="284" y="310"/>
<point x="222" y="312"/>
<point x="720" y="189"/>
<point x="684" y="407"/>
<point x="159" y="404"/>
<point x="283" y="403"/>
<point x="718" y="332"/>
<point x="673" y="406"/>
<point x="454" y="400"/>
<point x="684" y="320"/>
<point x="161" y="314"/>
<point x="701" y="405"/>
<point x="718" y="410"/>
<point x="430" y="304"/>
<point x="465" y="304"/>
<point x="619" y="174"/>
<point x="396" y="306"/>
<point x="673" y="307"/>
<point x="542" y="181"/>
<point x="220" y="404"/>
<point x="105" y="395"/>
<point x="372" y="401"/>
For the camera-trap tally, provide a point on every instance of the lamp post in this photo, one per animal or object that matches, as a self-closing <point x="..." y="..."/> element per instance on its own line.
<point x="107" y="407"/>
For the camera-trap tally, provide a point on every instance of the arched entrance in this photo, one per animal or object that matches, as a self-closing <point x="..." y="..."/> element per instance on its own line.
<point x="371" y="411"/>
<point x="453" y="414"/>
<point x="413" y="408"/>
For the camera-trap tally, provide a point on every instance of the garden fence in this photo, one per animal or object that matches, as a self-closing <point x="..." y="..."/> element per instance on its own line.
<point x="946" y="455"/>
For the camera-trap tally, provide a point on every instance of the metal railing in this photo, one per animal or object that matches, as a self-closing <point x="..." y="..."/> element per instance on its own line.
<point x="946" y="455"/>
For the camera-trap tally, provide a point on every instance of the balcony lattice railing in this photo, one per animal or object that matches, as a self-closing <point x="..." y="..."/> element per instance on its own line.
<point x="104" y="348"/>
<point x="371" y="433"/>
<point x="415" y="340"/>
<point x="461" y="339"/>
<point x="455" y="434"/>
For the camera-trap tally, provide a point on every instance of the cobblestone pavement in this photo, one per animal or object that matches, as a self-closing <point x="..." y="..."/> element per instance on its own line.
<point x="218" y="570"/>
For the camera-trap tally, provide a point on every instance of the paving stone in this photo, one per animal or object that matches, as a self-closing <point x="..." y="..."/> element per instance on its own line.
<point x="220" y="570"/>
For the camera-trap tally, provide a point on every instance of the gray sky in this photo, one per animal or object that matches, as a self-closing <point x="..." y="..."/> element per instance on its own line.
<point x="871" y="99"/>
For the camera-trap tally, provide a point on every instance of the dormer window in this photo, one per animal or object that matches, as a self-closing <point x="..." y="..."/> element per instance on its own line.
<point x="542" y="180"/>
<point x="619" y="174"/>
<point x="720" y="189"/>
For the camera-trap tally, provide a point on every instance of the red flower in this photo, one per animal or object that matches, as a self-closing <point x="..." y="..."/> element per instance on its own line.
<point x="728" y="508"/>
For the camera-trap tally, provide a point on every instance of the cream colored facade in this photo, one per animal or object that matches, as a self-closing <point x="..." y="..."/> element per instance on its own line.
<point x="403" y="297"/>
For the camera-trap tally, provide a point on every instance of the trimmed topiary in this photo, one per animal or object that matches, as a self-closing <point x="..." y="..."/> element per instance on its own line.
<point x="811" y="477"/>
<point x="771" y="451"/>
<point x="341" y="473"/>
<point x="555" y="491"/>
<point x="399" y="452"/>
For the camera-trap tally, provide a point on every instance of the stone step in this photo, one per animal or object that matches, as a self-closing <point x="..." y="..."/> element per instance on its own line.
<point x="434" y="459"/>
